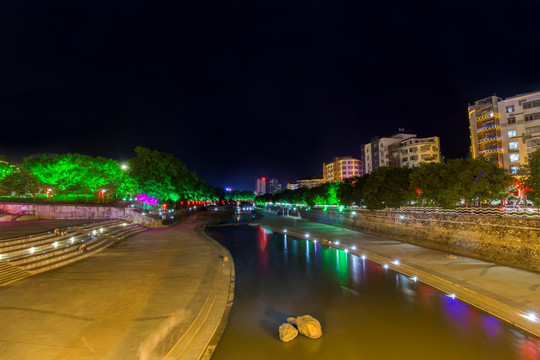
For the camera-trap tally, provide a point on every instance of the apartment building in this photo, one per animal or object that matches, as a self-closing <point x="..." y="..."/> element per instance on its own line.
<point x="505" y="131"/>
<point x="414" y="151"/>
<point x="341" y="168"/>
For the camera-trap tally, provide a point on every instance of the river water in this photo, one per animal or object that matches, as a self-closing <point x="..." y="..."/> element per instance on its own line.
<point x="366" y="312"/>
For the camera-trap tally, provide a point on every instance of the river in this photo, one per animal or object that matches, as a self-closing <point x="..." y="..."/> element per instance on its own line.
<point x="366" y="311"/>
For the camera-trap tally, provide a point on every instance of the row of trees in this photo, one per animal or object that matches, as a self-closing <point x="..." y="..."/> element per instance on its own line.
<point x="159" y="175"/>
<point x="459" y="181"/>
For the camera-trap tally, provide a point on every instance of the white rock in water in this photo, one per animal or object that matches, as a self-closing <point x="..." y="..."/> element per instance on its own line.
<point x="309" y="326"/>
<point x="287" y="332"/>
<point x="291" y="320"/>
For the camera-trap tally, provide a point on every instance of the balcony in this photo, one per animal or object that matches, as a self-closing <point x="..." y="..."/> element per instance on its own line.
<point x="484" y="129"/>
<point x="489" y="140"/>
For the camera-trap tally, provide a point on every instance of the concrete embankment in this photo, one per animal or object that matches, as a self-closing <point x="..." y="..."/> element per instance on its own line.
<point x="508" y="293"/>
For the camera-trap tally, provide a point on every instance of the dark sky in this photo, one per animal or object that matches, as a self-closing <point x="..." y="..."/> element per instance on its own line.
<point x="239" y="89"/>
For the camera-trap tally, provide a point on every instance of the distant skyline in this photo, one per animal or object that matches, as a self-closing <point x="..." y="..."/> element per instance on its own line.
<point x="245" y="89"/>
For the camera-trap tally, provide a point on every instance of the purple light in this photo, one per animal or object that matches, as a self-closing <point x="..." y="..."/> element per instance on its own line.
<point x="148" y="200"/>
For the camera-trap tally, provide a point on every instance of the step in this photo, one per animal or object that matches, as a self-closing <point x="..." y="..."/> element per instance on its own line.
<point x="10" y="273"/>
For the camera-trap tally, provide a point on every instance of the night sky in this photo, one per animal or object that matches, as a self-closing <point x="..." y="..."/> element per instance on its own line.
<point x="239" y="89"/>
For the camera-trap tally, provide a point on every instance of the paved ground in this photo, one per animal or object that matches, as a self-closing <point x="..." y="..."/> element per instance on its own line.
<point x="503" y="291"/>
<point x="160" y="294"/>
<point x="10" y="229"/>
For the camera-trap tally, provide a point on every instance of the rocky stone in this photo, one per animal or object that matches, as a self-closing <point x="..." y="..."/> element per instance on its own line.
<point x="287" y="332"/>
<point x="291" y="320"/>
<point x="309" y="326"/>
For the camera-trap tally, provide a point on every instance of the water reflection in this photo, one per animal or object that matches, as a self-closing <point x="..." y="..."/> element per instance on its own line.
<point x="366" y="311"/>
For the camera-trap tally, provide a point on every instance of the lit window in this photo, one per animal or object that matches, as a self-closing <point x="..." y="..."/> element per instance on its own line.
<point x="512" y="133"/>
<point x="514" y="169"/>
<point x="514" y="157"/>
<point x="510" y="109"/>
<point x="513" y="145"/>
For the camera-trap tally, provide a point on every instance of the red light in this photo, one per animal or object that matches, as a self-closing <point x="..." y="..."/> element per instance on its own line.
<point x="263" y="179"/>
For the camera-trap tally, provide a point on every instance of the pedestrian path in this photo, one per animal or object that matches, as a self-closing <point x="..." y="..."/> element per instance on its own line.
<point x="160" y="294"/>
<point x="508" y="293"/>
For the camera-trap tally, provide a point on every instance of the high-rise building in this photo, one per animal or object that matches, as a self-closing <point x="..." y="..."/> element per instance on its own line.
<point x="404" y="150"/>
<point x="274" y="186"/>
<point x="260" y="186"/>
<point x="341" y="168"/>
<point x="506" y="131"/>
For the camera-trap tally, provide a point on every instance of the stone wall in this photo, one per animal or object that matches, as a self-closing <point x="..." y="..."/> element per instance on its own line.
<point x="503" y="240"/>
<point x="68" y="211"/>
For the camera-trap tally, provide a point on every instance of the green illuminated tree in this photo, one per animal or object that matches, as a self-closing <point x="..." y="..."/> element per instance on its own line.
<point x="6" y="168"/>
<point x="21" y="182"/>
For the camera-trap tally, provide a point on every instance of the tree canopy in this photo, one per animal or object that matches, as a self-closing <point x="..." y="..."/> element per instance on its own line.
<point x="459" y="181"/>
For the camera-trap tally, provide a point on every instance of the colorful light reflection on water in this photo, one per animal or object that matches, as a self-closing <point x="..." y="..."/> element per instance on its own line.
<point x="367" y="312"/>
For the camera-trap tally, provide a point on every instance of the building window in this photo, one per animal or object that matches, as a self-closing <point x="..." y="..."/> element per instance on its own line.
<point x="510" y="109"/>
<point x="513" y="145"/>
<point x="512" y="120"/>
<point x="512" y="133"/>
<point x="532" y="130"/>
<point x="514" y="157"/>
<point x="533" y="142"/>
<point x="531" y="104"/>
<point x="514" y="169"/>
<point x="532" y="117"/>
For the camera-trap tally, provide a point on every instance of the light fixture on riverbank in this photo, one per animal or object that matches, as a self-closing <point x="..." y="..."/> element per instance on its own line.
<point x="285" y="231"/>
<point x="353" y="247"/>
<point x="353" y="213"/>
<point x="363" y="257"/>
<point x="55" y="244"/>
<point x="385" y="266"/>
<point x="72" y="239"/>
<point x="32" y="250"/>
<point x="396" y="262"/>
<point x="336" y="242"/>
<point x="531" y="316"/>
<point x="307" y="235"/>
<point x="346" y="250"/>
<point x="453" y="296"/>
<point x="414" y="278"/>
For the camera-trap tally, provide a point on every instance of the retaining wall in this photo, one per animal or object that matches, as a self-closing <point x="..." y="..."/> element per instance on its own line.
<point x="503" y="240"/>
<point x="69" y="211"/>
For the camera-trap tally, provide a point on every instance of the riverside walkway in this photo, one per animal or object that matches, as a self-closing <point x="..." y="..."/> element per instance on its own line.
<point x="161" y="294"/>
<point x="508" y="293"/>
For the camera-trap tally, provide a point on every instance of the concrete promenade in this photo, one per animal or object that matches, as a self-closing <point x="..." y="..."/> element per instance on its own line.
<point x="160" y="294"/>
<point x="505" y="292"/>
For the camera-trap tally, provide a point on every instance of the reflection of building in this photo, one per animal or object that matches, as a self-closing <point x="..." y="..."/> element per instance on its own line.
<point x="260" y="186"/>
<point x="274" y="186"/>
<point x="305" y="182"/>
<point x="505" y="131"/>
<point x="341" y="168"/>
<point x="404" y="150"/>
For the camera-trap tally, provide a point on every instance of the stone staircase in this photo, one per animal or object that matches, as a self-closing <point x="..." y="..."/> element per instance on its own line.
<point x="28" y="255"/>
<point x="10" y="273"/>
